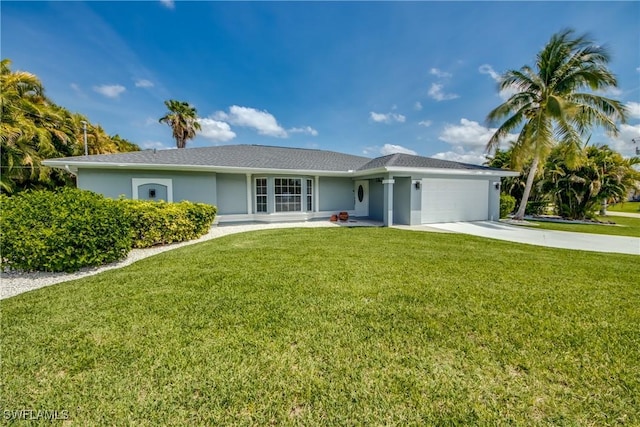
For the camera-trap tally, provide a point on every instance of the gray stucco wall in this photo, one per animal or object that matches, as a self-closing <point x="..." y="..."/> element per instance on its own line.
<point x="402" y="200"/>
<point x="232" y="194"/>
<point x="336" y="194"/>
<point x="193" y="186"/>
<point x="494" y="199"/>
<point x="159" y="190"/>
<point x="376" y="200"/>
<point x="416" y="203"/>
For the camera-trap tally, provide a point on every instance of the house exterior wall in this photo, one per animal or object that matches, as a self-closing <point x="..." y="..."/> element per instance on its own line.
<point x="229" y="191"/>
<point x="416" y="202"/>
<point x="494" y="199"/>
<point x="192" y="186"/>
<point x="376" y="200"/>
<point x="336" y="194"/>
<point x="402" y="200"/>
<point x="232" y="194"/>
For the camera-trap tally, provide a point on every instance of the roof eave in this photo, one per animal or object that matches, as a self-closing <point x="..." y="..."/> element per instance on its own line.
<point x="438" y="171"/>
<point x="75" y="166"/>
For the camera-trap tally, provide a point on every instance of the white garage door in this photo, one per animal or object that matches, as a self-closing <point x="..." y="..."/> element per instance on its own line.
<point x="447" y="200"/>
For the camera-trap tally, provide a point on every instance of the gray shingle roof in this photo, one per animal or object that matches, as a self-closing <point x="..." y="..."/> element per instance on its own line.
<point x="411" y="161"/>
<point x="241" y="156"/>
<point x="269" y="157"/>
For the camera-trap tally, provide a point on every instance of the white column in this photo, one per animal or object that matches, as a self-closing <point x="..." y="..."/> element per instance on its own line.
<point x="387" y="214"/>
<point x="249" y="198"/>
<point x="316" y="194"/>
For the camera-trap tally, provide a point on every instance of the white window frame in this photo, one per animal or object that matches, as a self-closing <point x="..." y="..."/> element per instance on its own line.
<point x="275" y="195"/>
<point x="309" y="196"/>
<point x="266" y="195"/>
<point x="137" y="182"/>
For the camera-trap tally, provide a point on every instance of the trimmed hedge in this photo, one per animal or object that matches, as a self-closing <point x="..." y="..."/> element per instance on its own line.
<point x="161" y="223"/>
<point x="62" y="231"/>
<point x="507" y="204"/>
<point x="71" y="229"/>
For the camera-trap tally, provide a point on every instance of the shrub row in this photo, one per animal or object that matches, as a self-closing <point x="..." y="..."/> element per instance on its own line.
<point x="62" y="231"/>
<point x="71" y="229"/>
<point x="160" y="223"/>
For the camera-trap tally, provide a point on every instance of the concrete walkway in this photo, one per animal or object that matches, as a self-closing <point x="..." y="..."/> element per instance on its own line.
<point x="627" y="214"/>
<point x="539" y="237"/>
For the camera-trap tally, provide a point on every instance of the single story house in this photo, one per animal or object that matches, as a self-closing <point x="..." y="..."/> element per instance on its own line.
<point x="265" y="183"/>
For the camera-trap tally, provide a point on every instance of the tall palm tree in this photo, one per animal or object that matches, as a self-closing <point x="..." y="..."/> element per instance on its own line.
<point x="183" y="120"/>
<point x="549" y="105"/>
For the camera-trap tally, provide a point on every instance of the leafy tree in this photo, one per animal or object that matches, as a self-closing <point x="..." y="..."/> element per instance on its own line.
<point x="183" y="120"/>
<point x="603" y="176"/>
<point x="549" y="105"/>
<point x="33" y="128"/>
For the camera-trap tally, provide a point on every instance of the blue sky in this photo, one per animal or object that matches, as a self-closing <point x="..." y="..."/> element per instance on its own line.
<point x="365" y="78"/>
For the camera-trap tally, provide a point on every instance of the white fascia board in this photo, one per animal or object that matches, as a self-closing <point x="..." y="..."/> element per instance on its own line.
<point x="438" y="171"/>
<point x="74" y="166"/>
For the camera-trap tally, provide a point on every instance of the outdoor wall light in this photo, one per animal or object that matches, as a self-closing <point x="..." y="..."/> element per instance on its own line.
<point x="497" y="185"/>
<point x="418" y="185"/>
<point x="152" y="193"/>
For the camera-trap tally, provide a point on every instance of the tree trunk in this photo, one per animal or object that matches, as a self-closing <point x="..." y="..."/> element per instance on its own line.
<point x="527" y="190"/>
<point x="603" y="208"/>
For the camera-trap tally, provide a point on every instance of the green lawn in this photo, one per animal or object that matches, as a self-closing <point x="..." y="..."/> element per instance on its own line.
<point x="335" y="326"/>
<point x="624" y="226"/>
<point x="631" y="207"/>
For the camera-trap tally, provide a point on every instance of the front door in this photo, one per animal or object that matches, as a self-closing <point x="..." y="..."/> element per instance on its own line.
<point x="362" y="198"/>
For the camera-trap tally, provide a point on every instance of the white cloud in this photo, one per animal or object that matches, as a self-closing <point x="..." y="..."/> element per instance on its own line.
<point x="149" y="145"/>
<point x="77" y="89"/>
<point x="460" y="155"/>
<point x="417" y="106"/>
<point x="610" y="91"/>
<point x="468" y="134"/>
<point x="633" y="109"/>
<point x="392" y="149"/>
<point x="169" y="4"/>
<point x="307" y="129"/>
<point x="144" y="83"/>
<point x="425" y="123"/>
<point x="623" y="142"/>
<point x="387" y="118"/>
<point x="504" y="94"/>
<point x="110" y="91"/>
<point x="436" y="93"/>
<point x="439" y="73"/>
<point x="488" y="69"/>
<point x="215" y="130"/>
<point x="262" y="121"/>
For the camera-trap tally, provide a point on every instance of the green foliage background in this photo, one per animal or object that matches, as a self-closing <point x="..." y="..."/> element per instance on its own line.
<point x="33" y="128"/>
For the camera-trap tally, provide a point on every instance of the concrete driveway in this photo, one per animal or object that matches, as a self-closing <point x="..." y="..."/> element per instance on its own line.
<point x="553" y="239"/>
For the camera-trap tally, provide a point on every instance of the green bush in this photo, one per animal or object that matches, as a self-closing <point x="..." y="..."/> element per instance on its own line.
<point x="507" y="204"/>
<point x="62" y="231"/>
<point x="159" y="223"/>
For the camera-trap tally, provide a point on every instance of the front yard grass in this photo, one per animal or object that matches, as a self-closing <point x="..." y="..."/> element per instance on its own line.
<point x="624" y="226"/>
<point x="630" y="207"/>
<point x="335" y="326"/>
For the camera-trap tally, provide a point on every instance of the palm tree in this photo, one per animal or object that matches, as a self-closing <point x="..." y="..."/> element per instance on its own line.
<point x="34" y="128"/>
<point x="603" y="176"/>
<point x="183" y="120"/>
<point x="549" y="107"/>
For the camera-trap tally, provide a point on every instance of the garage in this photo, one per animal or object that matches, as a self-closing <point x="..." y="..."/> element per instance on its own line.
<point x="449" y="200"/>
